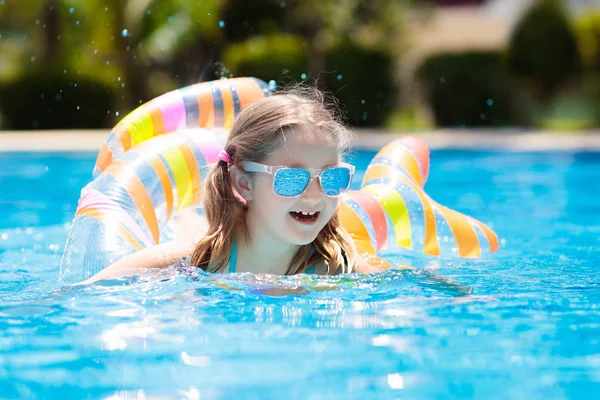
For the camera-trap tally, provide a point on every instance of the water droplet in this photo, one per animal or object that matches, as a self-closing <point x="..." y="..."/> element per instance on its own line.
<point x="117" y="113"/>
<point x="105" y="8"/>
<point x="119" y="79"/>
<point x="170" y="19"/>
<point x="442" y="79"/>
<point x="122" y="85"/>
<point x="303" y="76"/>
<point x="78" y="108"/>
<point x="108" y="63"/>
<point x="77" y="22"/>
<point x="95" y="51"/>
<point x="221" y="24"/>
<point x="64" y="71"/>
<point x="71" y="10"/>
<point x="339" y="77"/>
<point x="124" y="33"/>
<point x="272" y="85"/>
<point x="75" y="85"/>
<point x="32" y="59"/>
<point x="490" y="102"/>
<point x="282" y="4"/>
<point x="37" y="22"/>
<point x="362" y="101"/>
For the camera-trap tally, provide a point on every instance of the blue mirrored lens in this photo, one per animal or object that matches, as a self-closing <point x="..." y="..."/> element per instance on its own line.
<point x="335" y="181"/>
<point x="290" y="182"/>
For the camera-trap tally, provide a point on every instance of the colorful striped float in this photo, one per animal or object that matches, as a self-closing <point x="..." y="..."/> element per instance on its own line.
<point x="154" y="161"/>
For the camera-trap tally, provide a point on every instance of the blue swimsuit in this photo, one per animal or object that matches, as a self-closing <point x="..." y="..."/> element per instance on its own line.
<point x="233" y="260"/>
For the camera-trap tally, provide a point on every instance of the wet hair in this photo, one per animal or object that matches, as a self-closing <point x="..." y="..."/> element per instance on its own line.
<point x="258" y="130"/>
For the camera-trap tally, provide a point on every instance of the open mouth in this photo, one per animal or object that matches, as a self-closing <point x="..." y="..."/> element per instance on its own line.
<point x="305" y="216"/>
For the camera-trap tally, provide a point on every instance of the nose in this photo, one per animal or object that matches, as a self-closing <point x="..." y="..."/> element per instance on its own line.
<point x="312" y="195"/>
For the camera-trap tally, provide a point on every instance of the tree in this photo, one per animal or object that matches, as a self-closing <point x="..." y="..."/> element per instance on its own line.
<point x="376" y="24"/>
<point x="543" y="49"/>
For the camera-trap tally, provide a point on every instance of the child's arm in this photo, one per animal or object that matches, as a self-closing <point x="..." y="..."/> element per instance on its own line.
<point x="161" y="255"/>
<point x="367" y="264"/>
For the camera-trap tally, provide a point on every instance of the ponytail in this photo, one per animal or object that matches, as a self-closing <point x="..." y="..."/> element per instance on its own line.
<point x="220" y="204"/>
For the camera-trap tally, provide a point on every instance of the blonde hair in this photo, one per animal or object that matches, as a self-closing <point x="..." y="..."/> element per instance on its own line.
<point x="258" y="130"/>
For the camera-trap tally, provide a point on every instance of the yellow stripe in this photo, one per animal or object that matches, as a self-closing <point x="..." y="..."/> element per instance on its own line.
<point x="176" y="161"/>
<point x="431" y="245"/>
<point x="141" y="126"/>
<point x="395" y="207"/>
<point x="227" y="107"/>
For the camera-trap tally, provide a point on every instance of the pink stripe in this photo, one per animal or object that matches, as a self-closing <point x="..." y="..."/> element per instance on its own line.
<point x="95" y="199"/>
<point x="173" y="111"/>
<point x="207" y="143"/>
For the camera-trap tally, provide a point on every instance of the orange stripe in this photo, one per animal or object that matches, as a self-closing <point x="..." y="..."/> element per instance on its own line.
<point x="190" y="160"/>
<point x="124" y="136"/>
<point x="134" y="186"/>
<point x="489" y="234"/>
<point x="157" y="119"/>
<point x="463" y="231"/>
<point x="227" y="106"/>
<point x="165" y="181"/>
<point x="206" y="110"/>
<point x="104" y="218"/>
<point x="105" y="157"/>
<point x="248" y="91"/>
<point x="356" y="228"/>
<point x="431" y="245"/>
<point x="399" y="154"/>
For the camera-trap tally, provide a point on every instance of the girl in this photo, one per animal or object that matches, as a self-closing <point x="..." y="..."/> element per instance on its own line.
<point x="271" y="200"/>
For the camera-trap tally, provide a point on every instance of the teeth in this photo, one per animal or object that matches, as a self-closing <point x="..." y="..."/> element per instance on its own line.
<point x="306" y="212"/>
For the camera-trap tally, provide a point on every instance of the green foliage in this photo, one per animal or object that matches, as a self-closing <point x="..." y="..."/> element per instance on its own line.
<point x="587" y="29"/>
<point x="543" y="49"/>
<point x="55" y="101"/>
<point x="362" y="80"/>
<point x="468" y="89"/>
<point x="278" y="57"/>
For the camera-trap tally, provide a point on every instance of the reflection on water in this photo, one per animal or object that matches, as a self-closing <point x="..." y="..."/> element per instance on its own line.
<point x="523" y="323"/>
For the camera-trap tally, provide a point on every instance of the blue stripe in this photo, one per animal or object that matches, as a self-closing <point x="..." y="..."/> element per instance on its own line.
<point x="192" y="114"/>
<point x="237" y="107"/>
<point x="217" y="105"/>
<point x="264" y="87"/>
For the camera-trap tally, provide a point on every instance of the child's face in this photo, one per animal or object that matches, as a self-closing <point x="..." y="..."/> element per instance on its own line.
<point x="310" y="150"/>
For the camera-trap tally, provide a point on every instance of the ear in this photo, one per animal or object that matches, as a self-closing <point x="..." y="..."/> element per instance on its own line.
<point x="241" y="182"/>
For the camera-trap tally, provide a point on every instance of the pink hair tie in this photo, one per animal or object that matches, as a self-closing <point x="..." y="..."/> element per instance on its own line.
<point x="225" y="157"/>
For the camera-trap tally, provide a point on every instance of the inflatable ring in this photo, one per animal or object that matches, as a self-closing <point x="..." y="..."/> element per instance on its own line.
<point x="154" y="161"/>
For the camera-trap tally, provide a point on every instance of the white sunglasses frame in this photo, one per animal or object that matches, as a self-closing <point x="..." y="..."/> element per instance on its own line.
<point x="250" y="166"/>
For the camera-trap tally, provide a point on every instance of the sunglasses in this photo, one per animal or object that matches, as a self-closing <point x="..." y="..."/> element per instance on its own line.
<point x="293" y="182"/>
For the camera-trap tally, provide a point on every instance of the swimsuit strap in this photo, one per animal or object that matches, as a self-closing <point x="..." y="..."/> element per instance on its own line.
<point x="233" y="257"/>
<point x="311" y="270"/>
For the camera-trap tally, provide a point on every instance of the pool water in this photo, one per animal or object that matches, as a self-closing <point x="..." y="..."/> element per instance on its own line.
<point x="529" y="329"/>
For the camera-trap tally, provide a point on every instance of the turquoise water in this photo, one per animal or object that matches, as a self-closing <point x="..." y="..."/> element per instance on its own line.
<point x="529" y="329"/>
